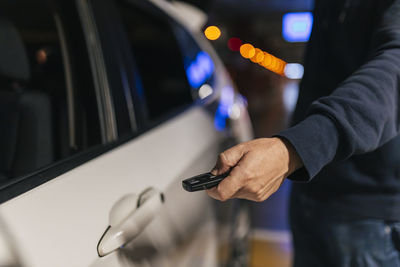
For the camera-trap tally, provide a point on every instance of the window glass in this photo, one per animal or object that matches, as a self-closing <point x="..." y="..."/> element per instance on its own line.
<point x="198" y="64"/>
<point x="159" y="59"/>
<point x="42" y="118"/>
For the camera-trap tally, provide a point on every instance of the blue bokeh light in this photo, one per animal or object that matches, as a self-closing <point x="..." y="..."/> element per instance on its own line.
<point x="296" y="27"/>
<point x="227" y="99"/>
<point x="200" y="69"/>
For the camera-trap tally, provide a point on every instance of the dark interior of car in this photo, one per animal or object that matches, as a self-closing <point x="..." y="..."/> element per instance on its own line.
<point x="32" y="92"/>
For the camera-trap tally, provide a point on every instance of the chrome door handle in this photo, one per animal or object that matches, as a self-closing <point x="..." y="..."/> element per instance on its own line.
<point x="128" y="218"/>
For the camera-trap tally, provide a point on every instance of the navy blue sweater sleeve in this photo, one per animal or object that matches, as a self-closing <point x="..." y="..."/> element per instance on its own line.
<point x="361" y="114"/>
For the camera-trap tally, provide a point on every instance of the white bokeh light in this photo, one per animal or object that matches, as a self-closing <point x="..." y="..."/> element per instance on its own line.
<point x="235" y="111"/>
<point x="205" y="90"/>
<point x="294" y="71"/>
<point x="290" y="95"/>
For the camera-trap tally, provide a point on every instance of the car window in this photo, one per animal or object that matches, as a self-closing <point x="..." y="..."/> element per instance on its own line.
<point x="47" y="111"/>
<point x="159" y="59"/>
<point x="198" y="64"/>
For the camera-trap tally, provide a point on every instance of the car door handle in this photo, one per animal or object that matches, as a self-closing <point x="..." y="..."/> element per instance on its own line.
<point x="128" y="218"/>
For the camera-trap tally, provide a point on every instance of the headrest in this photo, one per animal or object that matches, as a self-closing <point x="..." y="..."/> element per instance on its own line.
<point x="14" y="62"/>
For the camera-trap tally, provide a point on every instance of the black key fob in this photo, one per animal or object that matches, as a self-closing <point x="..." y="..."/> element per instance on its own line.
<point x="203" y="181"/>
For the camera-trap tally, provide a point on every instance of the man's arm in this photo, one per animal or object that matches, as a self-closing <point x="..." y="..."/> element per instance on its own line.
<point x="361" y="115"/>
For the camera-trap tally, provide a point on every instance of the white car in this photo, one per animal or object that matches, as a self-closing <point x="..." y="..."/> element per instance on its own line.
<point x="105" y="106"/>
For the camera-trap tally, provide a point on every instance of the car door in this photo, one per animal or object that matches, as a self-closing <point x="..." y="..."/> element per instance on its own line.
<point x="157" y="54"/>
<point x="98" y="148"/>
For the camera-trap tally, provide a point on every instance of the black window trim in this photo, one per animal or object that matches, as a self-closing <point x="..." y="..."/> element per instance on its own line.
<point x="100" y="78"/>
<point x="68" y="76"/>
<point x="119" y="64"/>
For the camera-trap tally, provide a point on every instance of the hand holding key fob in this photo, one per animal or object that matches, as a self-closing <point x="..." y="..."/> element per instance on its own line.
<point x="203" y="181"/>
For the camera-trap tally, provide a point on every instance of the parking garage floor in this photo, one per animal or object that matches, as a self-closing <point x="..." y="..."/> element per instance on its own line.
<point x="266" y="253"/>
<point x="271" y="240"/>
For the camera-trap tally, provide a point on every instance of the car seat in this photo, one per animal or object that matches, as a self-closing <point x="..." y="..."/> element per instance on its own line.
<point x="26" y="141"/>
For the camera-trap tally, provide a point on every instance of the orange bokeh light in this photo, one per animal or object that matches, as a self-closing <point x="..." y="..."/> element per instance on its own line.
<point x="274" y="64"/>
<point x="247" y="51"/>
<point x="267" y="60"/>
<point x="264" y="59"/>
<point x="258" y="56"/>
<point x="281" y="67"/>
<point x="212" y="33"/>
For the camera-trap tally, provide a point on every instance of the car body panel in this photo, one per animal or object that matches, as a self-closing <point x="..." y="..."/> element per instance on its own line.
<point x="60" y="222"/>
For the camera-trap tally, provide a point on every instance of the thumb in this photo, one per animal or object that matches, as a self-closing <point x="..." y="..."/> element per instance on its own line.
<point x="228" y="159"/>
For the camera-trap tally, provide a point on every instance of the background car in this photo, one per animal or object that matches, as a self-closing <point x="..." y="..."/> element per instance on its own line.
<point x="105" y="106"/>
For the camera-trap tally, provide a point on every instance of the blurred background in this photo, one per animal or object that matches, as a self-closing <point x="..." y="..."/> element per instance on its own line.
<point x="280" y="29"/>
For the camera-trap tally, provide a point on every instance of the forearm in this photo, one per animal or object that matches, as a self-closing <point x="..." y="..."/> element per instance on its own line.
<point x="362" y="114"/>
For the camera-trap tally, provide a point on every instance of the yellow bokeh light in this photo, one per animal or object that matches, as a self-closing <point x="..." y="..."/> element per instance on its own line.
<point x="212" y="33"/>
<point x="247" y="51"/>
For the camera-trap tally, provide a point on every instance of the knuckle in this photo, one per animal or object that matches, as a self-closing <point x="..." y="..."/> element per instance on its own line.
<point x="221" y="195"/>
<point x="210" y="193"/>
<point x="256" y="188"/>
<point x="222" y="158"/>
<point x="223" y="198"/>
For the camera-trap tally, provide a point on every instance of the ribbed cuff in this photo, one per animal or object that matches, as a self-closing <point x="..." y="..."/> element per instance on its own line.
<point x="316" y="140"/>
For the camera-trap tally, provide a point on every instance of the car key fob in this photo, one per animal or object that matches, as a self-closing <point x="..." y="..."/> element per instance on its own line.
<point x="203" y="181"/>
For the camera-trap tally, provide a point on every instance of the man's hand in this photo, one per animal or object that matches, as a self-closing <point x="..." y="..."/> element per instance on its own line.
<point x="258" y="168"/>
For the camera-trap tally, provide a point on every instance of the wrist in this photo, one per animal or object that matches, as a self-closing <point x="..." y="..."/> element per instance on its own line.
<point x="294" y="161"/>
